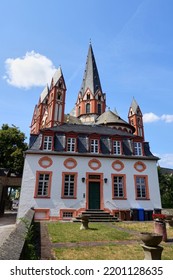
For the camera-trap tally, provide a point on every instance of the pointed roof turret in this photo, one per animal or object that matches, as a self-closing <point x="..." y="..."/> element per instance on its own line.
<point x="91" y="78"/>
<point x="134" y="106"/>
<point x="56" y="77"/>
<point x="44" y="94"/>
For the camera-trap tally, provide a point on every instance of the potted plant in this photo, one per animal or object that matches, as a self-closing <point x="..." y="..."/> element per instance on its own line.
<point x="160" y="225"/>
<point x="151" y="239"/>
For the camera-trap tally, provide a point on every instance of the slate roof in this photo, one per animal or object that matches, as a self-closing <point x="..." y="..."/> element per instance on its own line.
<point x="58" y="74"/>
<point x="71" y="119"/>
<point x="91" y="78"/>
<point x="44" y="93"/>
<point x="90" y="129"/>
<point x="110" y="117"/>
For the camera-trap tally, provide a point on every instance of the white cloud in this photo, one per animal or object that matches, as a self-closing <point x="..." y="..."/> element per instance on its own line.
<point x="33" y="69"/>
<point x="151" y="117"/>
<point x="166" y="160"/>
<point x="167" y="118"/>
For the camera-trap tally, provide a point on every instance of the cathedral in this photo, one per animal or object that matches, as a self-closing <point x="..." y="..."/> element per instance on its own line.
<point x="88" y="161"/>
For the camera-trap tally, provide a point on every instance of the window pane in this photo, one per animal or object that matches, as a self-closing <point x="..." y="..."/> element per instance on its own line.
<point x="141" y="187"/>
<point x="117" y="147"/>
<point x="47" y="145"/>
<point x="69" y="185"/>
<point x="43" y="184"/>
<point x="118" y="186"/>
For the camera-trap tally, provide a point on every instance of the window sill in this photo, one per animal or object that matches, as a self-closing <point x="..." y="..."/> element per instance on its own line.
<point x="119" y="198"/>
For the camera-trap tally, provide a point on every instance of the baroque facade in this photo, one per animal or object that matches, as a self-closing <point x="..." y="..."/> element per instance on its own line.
<point x="90" y="159"/>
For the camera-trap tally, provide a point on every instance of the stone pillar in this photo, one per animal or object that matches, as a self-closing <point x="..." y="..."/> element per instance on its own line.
<point x="84" y="222"/>
<point x="160" y="228"/>
<point x="152" y="253"/>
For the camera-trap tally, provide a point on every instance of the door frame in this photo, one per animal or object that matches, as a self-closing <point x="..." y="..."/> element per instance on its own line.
<point x="100" y="180"/>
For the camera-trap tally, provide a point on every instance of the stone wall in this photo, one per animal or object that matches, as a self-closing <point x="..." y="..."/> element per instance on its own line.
<point x="12" y="248"/>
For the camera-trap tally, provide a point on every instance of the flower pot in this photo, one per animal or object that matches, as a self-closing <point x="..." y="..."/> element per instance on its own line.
<point x="160" y="228"/>
<point x="151" y="239"/>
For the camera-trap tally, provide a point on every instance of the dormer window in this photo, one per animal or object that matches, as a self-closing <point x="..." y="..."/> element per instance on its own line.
<point x="138" y="149"/>
<point x="71" y="144"/>
<point x="94" y="146"/>
<point x="99" y="97"/>
<point x="47" y="143"/>
<point x="116" y="147"/>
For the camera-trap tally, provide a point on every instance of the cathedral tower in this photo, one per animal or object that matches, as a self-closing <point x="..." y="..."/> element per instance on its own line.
<point x="91" y="101"/>
<point x="50" y="109"/>
<point x="136" y="119"/>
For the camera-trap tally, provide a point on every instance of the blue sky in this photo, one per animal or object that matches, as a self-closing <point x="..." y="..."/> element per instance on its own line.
<point x="133" y="46"/>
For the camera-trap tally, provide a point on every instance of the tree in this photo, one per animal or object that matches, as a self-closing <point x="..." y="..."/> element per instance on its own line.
<point x="166" y="189"/>
<point x="12" y="146"/>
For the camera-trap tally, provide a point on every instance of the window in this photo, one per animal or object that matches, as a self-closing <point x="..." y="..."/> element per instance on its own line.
<point x="140" y="131"/>
<point x="99" y="109"/>
<point x="69" y="185"/>
<point x="47" y="145"/>
<point x="119" y="190"/>
<point x="94" y="146"/>
<point x="43" y="182"/>
<point x="87" y="108"/>
<point x="67" y="214"/>
<point x="138" y="148"/>
<point x="116" y="147"/>
<point x="88" y="96"/>
<point x="59" y="95"/>
<point x="141" y="187"/>
<point x="79" y="111"/>
<point x="71" y="142"/>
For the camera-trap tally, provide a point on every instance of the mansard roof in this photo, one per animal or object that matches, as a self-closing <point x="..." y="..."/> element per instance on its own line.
<point x="90" y="129"/>
<point x="83" y="132"/>
<point x="91" y="78"/>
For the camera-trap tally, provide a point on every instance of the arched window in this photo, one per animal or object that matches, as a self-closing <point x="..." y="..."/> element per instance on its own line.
<point x="87" y="108"/>
<point x="79" y="111"/>
<point x="88" y="96"/>
<point x="58" y="95"/>
<point x="99" y="108"/>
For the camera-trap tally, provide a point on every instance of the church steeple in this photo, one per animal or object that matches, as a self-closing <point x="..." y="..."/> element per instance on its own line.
<point x="91" y="100"/>
<point x="50" y="109"/>
<point x="136" y="118"/>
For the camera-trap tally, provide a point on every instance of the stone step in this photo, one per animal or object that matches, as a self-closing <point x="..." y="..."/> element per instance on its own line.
<point x="96" y="216"/>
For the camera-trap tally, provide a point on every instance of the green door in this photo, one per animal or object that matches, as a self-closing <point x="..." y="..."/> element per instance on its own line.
<point x="94" y="195"/>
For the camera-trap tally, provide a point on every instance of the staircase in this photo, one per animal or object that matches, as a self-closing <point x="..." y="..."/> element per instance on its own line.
<point x="97" y="216"/>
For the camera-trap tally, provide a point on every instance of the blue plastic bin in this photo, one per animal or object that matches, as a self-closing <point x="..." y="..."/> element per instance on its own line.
<point x="141" y="215"/>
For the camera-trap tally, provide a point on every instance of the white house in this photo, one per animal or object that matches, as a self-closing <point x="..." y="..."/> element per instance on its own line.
<point x="89" y="160"/>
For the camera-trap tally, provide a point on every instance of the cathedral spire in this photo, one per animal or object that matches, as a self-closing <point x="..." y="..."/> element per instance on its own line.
<point x="91" y="100"/>
<point x="91" y="78"/>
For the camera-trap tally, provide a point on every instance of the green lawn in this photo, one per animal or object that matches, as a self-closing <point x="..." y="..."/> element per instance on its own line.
<point x="70" y="232"/>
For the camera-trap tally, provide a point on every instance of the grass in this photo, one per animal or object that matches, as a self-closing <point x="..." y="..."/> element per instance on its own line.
<point x="70" y="232"/>
<point x="108" y="252"/>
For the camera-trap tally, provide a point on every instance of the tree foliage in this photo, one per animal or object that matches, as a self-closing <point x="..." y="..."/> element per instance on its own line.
<point x="166" y="189"/>
<point x="12" y="146"/>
